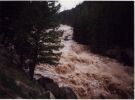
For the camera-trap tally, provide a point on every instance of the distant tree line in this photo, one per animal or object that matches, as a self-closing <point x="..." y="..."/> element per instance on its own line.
<point x="102" y="25"/>
<point x="24" y="25"/>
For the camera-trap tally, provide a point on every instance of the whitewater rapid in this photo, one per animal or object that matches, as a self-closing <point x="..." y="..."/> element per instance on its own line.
<point x="89" y="75"/>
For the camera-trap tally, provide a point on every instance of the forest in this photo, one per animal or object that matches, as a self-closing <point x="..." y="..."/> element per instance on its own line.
<point x="104" y="26"/>
<point x="86" y="52"/>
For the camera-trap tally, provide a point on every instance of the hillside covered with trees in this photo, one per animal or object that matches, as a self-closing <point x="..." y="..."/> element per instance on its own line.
<point x="107" y="27"/>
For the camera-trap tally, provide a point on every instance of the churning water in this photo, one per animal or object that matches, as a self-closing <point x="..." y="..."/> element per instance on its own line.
<point x="88" y="74"/>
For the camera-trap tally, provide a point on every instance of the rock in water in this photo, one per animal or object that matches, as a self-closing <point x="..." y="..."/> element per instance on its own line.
<point x="59" y="93"/>
<point x="50" y="85"/>
<point x="67" y="93"/>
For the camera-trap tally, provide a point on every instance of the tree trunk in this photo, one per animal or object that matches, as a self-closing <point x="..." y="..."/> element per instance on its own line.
<point x="31" y="69"/>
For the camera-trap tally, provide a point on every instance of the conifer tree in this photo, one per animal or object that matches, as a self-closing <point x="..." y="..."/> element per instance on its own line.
<point x="31" y="39"/>
<point x="41" y="16"/>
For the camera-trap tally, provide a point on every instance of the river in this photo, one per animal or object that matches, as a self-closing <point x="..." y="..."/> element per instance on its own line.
<point x="89" y="75"/>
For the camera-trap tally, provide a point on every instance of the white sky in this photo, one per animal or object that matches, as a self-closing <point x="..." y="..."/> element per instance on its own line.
<point x="68" y="4"/>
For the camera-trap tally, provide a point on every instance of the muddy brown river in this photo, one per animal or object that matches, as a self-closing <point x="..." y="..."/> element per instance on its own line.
<point x="89" y="75"/>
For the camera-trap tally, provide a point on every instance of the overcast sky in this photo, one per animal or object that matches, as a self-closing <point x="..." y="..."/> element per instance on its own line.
<point x="68" y="4"/>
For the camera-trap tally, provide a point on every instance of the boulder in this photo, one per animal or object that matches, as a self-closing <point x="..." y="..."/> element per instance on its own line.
<point x="67" y="93"/>
<point x="50" y="85"/>
<point x="59" y="93"/>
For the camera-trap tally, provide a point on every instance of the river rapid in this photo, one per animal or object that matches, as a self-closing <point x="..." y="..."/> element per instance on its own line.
<point x="89" y="75"/>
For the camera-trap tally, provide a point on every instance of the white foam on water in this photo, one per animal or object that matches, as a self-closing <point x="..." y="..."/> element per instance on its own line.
<point x="88" y="74"/>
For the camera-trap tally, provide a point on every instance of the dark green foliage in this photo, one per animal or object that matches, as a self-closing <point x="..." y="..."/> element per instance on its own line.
<point x="25" y="25"/>
<point x="47" y="47"/>
<point x="9" y="12"/>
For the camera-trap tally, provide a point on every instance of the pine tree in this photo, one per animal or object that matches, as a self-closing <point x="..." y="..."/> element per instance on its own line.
<point x="42" y="43"/>
<point x="31" y="39"/>
<point x="49" y="47"/>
